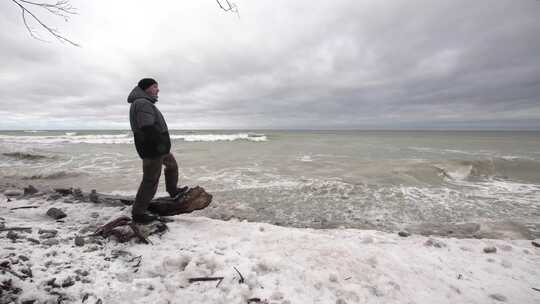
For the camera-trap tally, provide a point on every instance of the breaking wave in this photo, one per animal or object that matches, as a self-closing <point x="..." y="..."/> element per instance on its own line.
<point x="127" y="138"/>
<point x="53" y="175"/>
<point x="24" y="156"/>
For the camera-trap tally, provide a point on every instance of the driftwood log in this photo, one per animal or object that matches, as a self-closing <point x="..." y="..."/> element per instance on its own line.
<point x="195" y="198"/>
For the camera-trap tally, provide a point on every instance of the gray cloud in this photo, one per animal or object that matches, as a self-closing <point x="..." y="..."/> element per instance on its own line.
<point x="307" y="64"/>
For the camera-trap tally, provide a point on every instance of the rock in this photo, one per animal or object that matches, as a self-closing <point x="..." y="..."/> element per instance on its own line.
<point x="79" y="241"/>
<point x="12" y="235"/>
<point x="82" y="273"/>
<point x="404" y="234"/>
<point x="434" y="243"/>
<point x="50" y="242"/>
<point x="490" y="249"/>
<point x="91" y="248"/>
<point x="52" y="283"/>
<point x="498" y="297"/>
<point x="94" y="215"/>
<point x="77" y="193"/>
<point x="94" y="197"/>
<point x="32" y="240"/>
<point x="54" y="197"/>
<point x="536" y="243"/>
<point x="28" y="301"/>
<point x="23" y="258"/>
<point x="47" y="235"/>
<point x="56" y="213"/>
<point x="68" y="282"/>
<point x="64" y="191"/>
<point x="30" y="190"/>
<point x="333" y="278"/>
<point x="13" y="192"/>
<point x="49" y="231"/>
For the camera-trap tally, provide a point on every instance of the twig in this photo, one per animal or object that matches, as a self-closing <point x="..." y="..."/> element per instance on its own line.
<point x="241" y="276"/>
<point x="204" y="279"/>
<point x="61" y="8"/>
<point x="217" y="285"/>
<point x="24" y="207"/>
<point x="535" y="289"/>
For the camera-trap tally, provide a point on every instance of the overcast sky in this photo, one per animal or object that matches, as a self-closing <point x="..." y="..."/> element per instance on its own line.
<point x="400" y="64"/>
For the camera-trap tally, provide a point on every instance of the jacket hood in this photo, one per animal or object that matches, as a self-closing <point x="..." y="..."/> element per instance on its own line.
<point x="138" y="93"/>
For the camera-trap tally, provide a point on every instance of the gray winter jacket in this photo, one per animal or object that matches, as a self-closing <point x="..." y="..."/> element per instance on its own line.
<point x="148" y="125"/>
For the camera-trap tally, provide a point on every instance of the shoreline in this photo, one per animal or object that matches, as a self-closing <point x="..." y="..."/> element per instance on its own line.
<point x="507" y="229"/>
<point x="278" y="264"/>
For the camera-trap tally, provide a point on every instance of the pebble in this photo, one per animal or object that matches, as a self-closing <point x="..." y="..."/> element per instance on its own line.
<point x="79" y="241"/>
<point x="47" y="235"/>
<point x="50" y="242"/>
<point x="94" y="214"/>
<point x="23" y="258"/>
<point x="498" y="297"/>
<point x="490" y="249"/>
<point x="32" y="240"/>
<point x="94" y="196"/>
<point x="77" y="193"/>
<point x="51" y="231"/>
<point x="404" y="234"/>
<point x="30" y="190"/>
<point x="12" y="235"/>
<point x="54" y="196"/>
<point x="13" y="192"/>
<point x="56" y="213"/>
<point x="68" y="282"/>
<point x="536" y="243"/>
<point x="434" y="243"/>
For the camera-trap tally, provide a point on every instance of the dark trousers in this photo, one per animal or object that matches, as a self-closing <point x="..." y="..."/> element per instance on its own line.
<point x="150" y="180"/>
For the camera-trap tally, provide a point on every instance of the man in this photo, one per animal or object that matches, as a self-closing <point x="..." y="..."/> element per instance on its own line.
<point x="153" y="145"/>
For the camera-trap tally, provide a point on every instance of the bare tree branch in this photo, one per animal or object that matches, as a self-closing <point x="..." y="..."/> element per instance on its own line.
<point x="62" y="8"/>
<point x="229" y="7"/>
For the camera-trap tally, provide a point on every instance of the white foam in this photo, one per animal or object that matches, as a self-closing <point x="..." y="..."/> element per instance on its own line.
<point x="73" y="138"/>
<point x="221" y="137"/>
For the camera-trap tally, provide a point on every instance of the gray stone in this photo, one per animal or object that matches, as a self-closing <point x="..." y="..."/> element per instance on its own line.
<point x="94" y="214"/>
<point x="47" y="235"/>
<point x="498" y="297"/>
<point x="56" y="213"/>
<point x="30" y="190"/>
<point x="79" y="241"/>
<point x="54" y="197"/>
<point x="23" y="258"/>
<point x="49" y="231"/>
<point x="434" y="243"/>
<point x="490" y="249"/>
<point x="13" y="192"/>
<point x="67" y="282"/>
<point x="404" y="234"/>
<point x="94" y="197"/>
<point x="12" y="235"/>
<point x="77" y="193"/>
<point x="50" y="242"/>
<point x="32" y="240"/>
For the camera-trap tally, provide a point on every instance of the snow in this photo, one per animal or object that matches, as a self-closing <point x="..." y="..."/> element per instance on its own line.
<point x="279" y="264"/>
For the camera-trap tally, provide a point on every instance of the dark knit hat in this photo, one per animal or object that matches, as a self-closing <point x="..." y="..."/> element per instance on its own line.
<point x="145" y="83"/>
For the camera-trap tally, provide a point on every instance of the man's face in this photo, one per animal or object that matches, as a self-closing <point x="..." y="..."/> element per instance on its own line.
<point x="153" y="90"/>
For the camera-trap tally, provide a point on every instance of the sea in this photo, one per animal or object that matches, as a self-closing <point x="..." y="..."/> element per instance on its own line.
<point x="382" y="180"/>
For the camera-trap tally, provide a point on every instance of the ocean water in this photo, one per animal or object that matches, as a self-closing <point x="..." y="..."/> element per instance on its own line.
<point x="321" y="179"/>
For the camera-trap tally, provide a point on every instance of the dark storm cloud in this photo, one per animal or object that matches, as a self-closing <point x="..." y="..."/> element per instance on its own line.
<point x="340" y="64"/>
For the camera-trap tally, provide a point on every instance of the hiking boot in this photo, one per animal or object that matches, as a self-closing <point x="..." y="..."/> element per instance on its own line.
<point x="180" y="192"/>
<point x="144" y="218"/>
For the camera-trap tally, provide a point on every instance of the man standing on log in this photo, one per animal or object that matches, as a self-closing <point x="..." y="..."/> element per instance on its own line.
<point x="153" y="145"/>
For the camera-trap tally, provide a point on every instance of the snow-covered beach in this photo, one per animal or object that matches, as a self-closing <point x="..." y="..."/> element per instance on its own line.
<point x="277" y="264"/>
